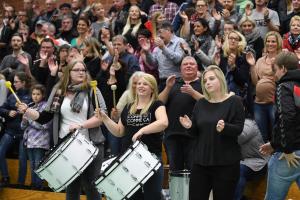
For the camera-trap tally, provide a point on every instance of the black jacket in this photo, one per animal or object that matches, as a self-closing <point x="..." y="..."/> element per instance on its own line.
<point x="286" y="131"/>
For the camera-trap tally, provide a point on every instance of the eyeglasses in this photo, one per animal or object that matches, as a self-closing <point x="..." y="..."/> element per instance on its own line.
<point x="79" y="70"/>
<point x="234" y="39"/>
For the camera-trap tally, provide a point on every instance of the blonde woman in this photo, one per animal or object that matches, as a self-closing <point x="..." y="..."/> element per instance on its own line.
<point x="156" y="20"/>
<point x="217" y="120"/>
<point x="235" y="65"/>
<point x="144" y="119"/>
<point x="133" y="24"/>
<point x="291" y="40"/>
<point x="263" y="78"/>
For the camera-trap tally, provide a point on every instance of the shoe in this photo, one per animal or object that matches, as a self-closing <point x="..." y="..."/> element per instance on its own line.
<point x="4" y="182"/>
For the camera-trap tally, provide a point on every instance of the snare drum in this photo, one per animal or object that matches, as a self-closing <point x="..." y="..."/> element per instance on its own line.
<point x="126" y="174"/>
<point x="67" y="161"/>
<point x="179" y="185"/>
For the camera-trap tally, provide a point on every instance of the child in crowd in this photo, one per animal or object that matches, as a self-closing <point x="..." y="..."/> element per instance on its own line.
<point x="36" y="136"/>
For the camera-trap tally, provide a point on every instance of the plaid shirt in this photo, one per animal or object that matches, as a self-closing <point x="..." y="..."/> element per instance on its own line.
<point x="169" y="10"/>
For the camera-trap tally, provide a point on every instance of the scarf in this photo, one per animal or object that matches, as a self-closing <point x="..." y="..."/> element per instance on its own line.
<point x="251" y="37"/>
<point x="293" y="40"/>
<point x="56" y="97"/>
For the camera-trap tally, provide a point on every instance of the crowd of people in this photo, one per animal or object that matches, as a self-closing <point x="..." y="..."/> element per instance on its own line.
<point x="217" y="82"/>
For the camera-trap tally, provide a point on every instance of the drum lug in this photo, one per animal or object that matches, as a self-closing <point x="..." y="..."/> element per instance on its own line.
<point x="125" y="169"/>
<point x="120" y="191"/>
<point x="138" y="155"/>
<point x="133" y="178"/>
<point x="79" y="141"/>
<point x="89" y="151"/>
<point x="75" y="168"/>
<point x="111" y="182"/>
<point x="147" y="164"/>
<point x="64" y="157"/>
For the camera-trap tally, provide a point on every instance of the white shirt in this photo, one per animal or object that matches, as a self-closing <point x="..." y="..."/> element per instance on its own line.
<point x="69" y="117"/>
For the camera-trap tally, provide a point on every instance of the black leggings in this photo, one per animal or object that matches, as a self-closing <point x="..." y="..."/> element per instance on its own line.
<point x="221" y="179"/>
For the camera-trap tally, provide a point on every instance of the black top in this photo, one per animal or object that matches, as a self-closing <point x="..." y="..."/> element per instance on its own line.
<point x="134" y="122"/>
<point x="180" y="104"/>
<point x="212" y="147"/>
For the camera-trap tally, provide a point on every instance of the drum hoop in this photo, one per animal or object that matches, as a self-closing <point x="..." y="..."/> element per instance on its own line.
<point x="86" y="164"/>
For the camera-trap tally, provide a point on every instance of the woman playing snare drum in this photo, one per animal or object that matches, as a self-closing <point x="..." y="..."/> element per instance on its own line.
<point x="71" y="106"/>
<point x="143" y="119"/>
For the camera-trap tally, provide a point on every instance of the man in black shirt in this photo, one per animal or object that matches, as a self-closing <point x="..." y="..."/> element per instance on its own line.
<point x="180" y="96"/>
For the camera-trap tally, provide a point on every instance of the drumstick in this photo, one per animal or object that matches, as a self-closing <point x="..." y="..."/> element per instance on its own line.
<point x="114" y="88"/>
<point x="93" y="84"/>
<point x="8" y="85"/>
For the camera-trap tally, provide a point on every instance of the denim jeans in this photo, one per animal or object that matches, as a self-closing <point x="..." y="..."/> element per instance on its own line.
<point x="86" y="180"/>
<point x="152" y="188"/>
<point x="6" y="142"/>
<point x="280" y="177"/>
<point x="246" y="174"/>
<point x="264" y="116"/>
<point x="180" y="151"/>
<point x="35" y="155"/>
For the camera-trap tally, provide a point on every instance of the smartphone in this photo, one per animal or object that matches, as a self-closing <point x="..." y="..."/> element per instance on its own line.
<point x="219" y="7"/>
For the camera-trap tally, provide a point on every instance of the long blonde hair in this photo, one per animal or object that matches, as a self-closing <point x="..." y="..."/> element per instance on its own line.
<point x="154" y="22"/>
<point x="278" y="40"/>
<point x="131" y="92"/>
<point x="220" y="76"/>
<point x="154" y="96"/>
<point x="241" y="45"/>
<point x="128" y="23"/>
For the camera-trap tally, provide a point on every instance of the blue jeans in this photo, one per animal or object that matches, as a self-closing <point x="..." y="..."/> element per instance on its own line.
<point x="280" y="177"/>
<point x="6" y="142"/>
<point x="264" y="116"/>
<point x="152" y="188"/>
<point x="246" y="174"/>
<point x="35" y="155"/>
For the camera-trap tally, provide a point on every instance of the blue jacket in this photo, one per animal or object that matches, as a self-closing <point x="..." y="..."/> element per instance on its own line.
<point x="13" y="124"/>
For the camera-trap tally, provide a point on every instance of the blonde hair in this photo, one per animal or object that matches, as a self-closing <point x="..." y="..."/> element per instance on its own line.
<point x="94" y="45"/>
<point x="154" y="96"/>
<point x="278" y="40"/>
<point x="154" y="22"/>
<point x="241" y="45"/>
<point x="246" y="19"/>
<point x="128" y="23"/>
<point x="220" y="76"/>
<point x="131" y="92"/>
<point x="295" y="18"/>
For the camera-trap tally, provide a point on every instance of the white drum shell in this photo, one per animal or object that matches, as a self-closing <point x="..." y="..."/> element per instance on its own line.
<point x="67" y="162"/>
<point x="179" y="185"/>
<point x="124" y="177"/>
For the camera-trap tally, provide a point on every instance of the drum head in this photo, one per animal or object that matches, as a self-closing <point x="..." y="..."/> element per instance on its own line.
<point x="50" y="153"/>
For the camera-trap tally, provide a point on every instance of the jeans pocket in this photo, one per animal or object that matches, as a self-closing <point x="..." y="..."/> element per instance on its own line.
<point x="283" y="170"/>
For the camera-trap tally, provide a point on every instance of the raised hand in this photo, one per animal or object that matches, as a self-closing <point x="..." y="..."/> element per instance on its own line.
<point x="185" y="122"/>
<point x="216" y="15"/>
<point x="23" y="59"/>
<point x="170" y="81"/>
<point x="225" y="13"/>
<point x="183" y="16"/>
<point x="43" y="55"/>
<point x="218" y="41"/>
<point x="104" y="65"/>
<point x="248" y="9"/>
<point x="231" y="59"/>
<point x="53" y="66"/>
<point x="159" y="42"/>
<point x="250" y="58"/>
<point x="145" y="44"/>
<point x="188" y="89"/>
